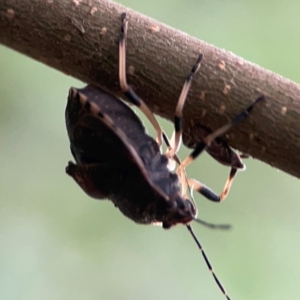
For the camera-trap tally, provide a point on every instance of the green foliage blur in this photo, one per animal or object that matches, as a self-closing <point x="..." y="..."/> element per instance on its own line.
<point x="57" y="243"/>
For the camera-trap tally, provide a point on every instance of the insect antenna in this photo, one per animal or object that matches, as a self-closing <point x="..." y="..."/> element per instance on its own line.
<point x="212" y="225"/>
<point x="207" y="262"/>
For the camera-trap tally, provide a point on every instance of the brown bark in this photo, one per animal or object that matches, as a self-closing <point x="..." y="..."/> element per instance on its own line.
<point x="80" y="38"/>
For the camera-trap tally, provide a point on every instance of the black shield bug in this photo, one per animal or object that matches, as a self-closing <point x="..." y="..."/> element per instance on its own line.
<point x="117" y="160"/>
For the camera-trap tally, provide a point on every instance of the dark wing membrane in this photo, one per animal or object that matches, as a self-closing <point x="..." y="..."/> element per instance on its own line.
<point x="120" y="112"/>
<point x="121" y="142"/>
<point x="91" y="140"/>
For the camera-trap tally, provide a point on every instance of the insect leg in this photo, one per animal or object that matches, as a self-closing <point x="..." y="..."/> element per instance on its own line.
<point x="176" y="138"/>
<point x="220" y="131"/>
<point x="182" y="175"/>
<point x="127" y="90"/>
<point x="208" y="193"/>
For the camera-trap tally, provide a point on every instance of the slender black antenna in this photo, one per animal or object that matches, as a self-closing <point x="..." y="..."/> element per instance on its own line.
<point x="207" y="261"/>
<point x="212" y="225"/>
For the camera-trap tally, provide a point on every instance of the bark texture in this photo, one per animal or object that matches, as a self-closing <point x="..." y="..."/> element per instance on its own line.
<point x="80" y="38"/>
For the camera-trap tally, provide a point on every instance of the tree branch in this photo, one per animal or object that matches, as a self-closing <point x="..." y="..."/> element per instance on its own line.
<point x="80" y="38"/>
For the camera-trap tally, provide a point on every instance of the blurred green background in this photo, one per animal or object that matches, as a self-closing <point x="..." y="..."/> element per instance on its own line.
<point x="56" y="243"/>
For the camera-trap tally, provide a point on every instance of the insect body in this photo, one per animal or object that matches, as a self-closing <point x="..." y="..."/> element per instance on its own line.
<point x="117" y="160"/>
